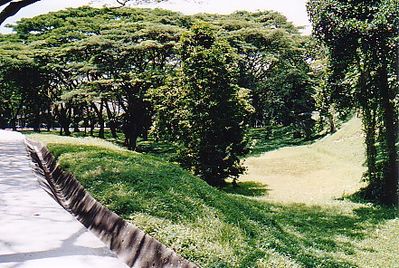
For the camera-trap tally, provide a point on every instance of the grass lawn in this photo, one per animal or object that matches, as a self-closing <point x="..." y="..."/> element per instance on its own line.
<point x="160" y="149"/>
<point x="262" y="140"/>
<point x="313" y="173"/>
<point x="231" y="227"/>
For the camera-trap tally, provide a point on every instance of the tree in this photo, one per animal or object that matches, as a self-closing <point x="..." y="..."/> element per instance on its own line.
<point x="23" y="84"/>
<point x="132" y="64"/>
<point x="209" y="114"/>
<point x="100" y="65"/>
<point x="102" y="58"/>
<point x="12" y="7"/>
<point x="272" y="64"/>
<point x="361" y="38"/>
<point x="324" y="102"/>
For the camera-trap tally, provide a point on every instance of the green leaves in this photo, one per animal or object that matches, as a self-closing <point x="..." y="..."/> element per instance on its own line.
<point x="362" y="48"/>
<point x="203" y="109"/>
<point x="202" y="83"/>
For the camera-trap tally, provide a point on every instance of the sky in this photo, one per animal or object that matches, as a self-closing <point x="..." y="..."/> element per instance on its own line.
<point x="294" y="10"/>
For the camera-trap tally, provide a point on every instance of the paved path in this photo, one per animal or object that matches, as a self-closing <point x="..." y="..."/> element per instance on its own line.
<point x="35" y="231"/>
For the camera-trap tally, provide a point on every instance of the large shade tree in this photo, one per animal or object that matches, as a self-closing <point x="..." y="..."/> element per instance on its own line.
<point x="90" y="52"/>
<point x="362" y="38"/>
<point x="97" y="65"/>
<point x="101" y="64"/>
<point x="273" y="65"/>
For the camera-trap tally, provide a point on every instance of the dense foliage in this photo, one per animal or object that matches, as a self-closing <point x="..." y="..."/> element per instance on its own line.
<point x="361" y="38"/>
<point x="134" y="72"/>
<point x="208" y="110"/>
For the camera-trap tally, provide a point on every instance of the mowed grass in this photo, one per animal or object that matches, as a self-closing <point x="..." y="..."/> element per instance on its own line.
<point x="317" y="173"/>
<point x="262" y="140"/>
<point x="160" y="149"/>
<point x="228" y="228"/>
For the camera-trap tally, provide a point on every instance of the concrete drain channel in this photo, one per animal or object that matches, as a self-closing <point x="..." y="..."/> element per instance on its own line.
<point x="130" y="244"/>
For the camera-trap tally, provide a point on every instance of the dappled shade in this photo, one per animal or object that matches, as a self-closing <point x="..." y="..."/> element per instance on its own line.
<point x="214" y="228"/>
<point x="132" y="245"/>
<point x="247" y="188"/>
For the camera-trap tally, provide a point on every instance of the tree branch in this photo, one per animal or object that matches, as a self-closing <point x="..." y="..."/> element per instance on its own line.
<point x="122" y="2"/>
<point x="13" y="7"/>
<point x="3" y="2"/>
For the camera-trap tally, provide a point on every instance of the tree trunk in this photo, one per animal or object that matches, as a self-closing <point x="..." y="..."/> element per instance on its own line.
<point x="131" y="134"/>
<point x="36" y="120"/>
<point x="112" y="121"/>
<point x="14" y="117"/>
<point x="49" y="120"/>
<point x="390" y="180"/>
<point x="331" y="123"/>
<point x="14" y="124"/>
<point x="67" y="132"/>
<point x="2" y="123"/>
<point x="369" y="123"/>
<point x="133" y="141"/>
<point x="132" y="127"/>
<point x="92" y="124"/>
<point x="145" y="135"/>
<point x="64" y="121"/>
<point x="100" y="117"/>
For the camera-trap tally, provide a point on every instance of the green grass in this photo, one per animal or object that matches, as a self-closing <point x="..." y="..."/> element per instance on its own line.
<point x="314" y="173"/>
<point x="263" y="140"/>
<point x="216" y="228"/>
<point x="260" y="141"/>
<point x="160" y="149"/>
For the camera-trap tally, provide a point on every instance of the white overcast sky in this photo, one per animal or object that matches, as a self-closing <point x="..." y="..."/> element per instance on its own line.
<point x="294" y="10"/>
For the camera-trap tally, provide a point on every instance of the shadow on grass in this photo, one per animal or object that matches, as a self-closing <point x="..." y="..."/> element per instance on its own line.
<point x="311" y="236"/>
<point x="264" y="140"/>
<point x="247" y="188"/>
<point x="381" y="211"/>
<point x="164" y="150"/>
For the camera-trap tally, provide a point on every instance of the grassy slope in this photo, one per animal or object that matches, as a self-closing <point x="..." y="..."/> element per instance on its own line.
<point x="218" y="229"/>
<point x="319" y="172"/>
<point x="262" y="140"/>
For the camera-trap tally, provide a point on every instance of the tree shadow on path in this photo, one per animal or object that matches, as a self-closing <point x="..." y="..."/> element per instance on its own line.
<point x="67" y="248"/>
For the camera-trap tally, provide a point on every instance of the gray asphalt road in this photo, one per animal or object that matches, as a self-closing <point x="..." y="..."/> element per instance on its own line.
<point x="35" y="231"/>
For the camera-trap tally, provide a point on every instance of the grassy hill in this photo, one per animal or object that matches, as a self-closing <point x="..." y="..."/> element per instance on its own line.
<point x="216" y="228"/>
<point x="315" y="173"/>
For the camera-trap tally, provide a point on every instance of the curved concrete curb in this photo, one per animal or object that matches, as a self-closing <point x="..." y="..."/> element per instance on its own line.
<point x="132" y="245"/>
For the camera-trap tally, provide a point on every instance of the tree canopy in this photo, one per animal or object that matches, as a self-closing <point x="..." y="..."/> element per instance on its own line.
<point x="361" y="38"/>
<point x="143" y="72"/>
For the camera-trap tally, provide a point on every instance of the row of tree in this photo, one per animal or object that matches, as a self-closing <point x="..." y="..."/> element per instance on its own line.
<point x="198" y="80"/>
